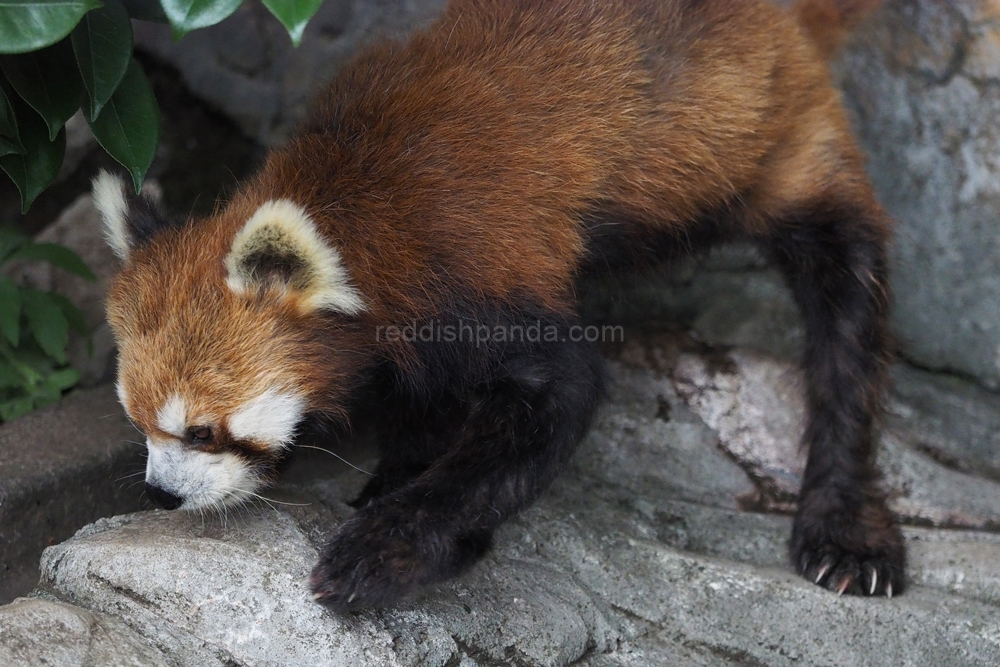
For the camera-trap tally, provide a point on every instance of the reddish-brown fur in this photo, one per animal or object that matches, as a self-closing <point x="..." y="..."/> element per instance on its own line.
<point x="507" y="142"/>
<point x="466" y="161"/>
<point x="478" y="152"/>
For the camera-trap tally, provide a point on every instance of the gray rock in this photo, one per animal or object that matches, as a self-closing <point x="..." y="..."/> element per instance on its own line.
<point x="756" y="406"/>
<point x="574" y="578"/>
<point x="922" y="80"/>
<point x="39" y="632"/>
<point x="949" y="418"/>
<point x="661" y="648"/>
<point x="961" y="562"/>
<point x="184" y="582"/>
<point x="659" y="444"/>
<point x="624" y="562"/>
<point x="62" y="467"/>
<point x="246" y="66"/>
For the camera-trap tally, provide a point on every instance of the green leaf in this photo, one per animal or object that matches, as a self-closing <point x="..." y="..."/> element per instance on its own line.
<point x="57" y="255"/>
<point x="32" y="366"/>
<point x="14" y="408"/>
<point x="8" y="128"/>
<point x="9" y="377"/>
<point x="38" y="167"/>
<point x="31" y="362"/>
<point x="8" y="147"/>
<point x="294" y="14"/>
<point x="10" y="310"/>
<point x="102" y="43"/>
<point x="48" y="80"/>
<point x="72" y="313"/>
<point x="129" y="125"/>
<point x="11" y="240"/>
<point x="62" y="379"/>
<point x="44" y="395"/>
<point x="188" y="15"/>
<point x="47" y="323"/>
<point x="29" y="25"/>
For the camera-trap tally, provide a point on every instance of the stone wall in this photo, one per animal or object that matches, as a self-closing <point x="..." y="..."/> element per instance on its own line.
<point x="923" y="80"/>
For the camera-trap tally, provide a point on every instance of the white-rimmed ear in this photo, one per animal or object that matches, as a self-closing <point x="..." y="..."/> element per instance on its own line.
<point x="279" y="246"/>
<point x="130" y="220"/>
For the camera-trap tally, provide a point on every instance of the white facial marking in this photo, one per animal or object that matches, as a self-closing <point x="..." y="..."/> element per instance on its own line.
<point x="270" y="418"/>
<point x="284" y="226"/>
<point x="199" y="478"/>
<point x="172" y="416"/>
<point x="108" y="192"/>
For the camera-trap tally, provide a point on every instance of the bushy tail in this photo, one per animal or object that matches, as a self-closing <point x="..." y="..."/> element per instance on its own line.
<point x="827" y="22"/>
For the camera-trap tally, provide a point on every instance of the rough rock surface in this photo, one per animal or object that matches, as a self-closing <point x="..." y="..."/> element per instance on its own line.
<point x="73" y="636"/>
<point x="650" y="550"/>
<point x="923" y="80"/>
<point x="62" y="467"/>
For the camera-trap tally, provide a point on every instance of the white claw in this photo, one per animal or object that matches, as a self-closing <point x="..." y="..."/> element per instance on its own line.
<point x="351" y="599"/>
<point x="843" y="586"/>
<point x="888" y="590"/>
<point x="874" y="581"/>
<point x="822" y="573"/>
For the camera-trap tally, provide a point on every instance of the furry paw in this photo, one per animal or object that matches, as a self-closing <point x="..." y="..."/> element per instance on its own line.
<point x="381" y="555"/>
<point x="858" y="553"/>
<point x="367" y="565"/>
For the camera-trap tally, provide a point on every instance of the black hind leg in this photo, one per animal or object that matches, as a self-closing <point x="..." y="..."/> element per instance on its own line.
<point x="518" y="433"/>
<point x="844" y="537"/>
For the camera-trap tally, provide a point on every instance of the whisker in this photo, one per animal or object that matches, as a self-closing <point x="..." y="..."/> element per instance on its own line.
<point x="131" y="486"/>
<point x="338" y="456"/>
<point x="139" y="430"/>
<point x="280" y="502"/>
<point x="257" y="499"/>
<point x="134" y="474"/>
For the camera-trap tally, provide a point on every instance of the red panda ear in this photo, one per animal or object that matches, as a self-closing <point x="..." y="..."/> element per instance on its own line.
<point x="130" y="220"/>
<point x="280" y="247"/>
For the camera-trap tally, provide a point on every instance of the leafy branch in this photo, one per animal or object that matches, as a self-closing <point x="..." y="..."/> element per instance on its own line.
<point x="34" y="329"/>
<point x="60" y="56"/>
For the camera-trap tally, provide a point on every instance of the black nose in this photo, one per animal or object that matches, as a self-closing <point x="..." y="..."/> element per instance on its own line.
<point x="164" y="499"/>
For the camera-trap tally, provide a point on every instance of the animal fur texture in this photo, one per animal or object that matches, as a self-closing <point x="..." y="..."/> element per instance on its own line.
<point x="474" y="174"/>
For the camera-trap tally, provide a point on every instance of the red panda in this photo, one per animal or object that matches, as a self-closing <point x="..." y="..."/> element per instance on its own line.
<point x="474" y="174"/>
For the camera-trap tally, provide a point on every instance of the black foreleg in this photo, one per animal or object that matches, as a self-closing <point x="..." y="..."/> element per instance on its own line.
<point x="844" y="536"/>
<point x="411" y="436"/>
<point x="519" y="433"/>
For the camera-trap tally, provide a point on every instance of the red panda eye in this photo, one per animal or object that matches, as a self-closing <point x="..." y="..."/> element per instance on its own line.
<point x="199" y="435"/>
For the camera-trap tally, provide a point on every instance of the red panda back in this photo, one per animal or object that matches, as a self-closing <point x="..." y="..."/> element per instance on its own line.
<point x="469" y="155"/>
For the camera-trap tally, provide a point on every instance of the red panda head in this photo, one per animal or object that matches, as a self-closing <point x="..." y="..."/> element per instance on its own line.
<point x="227" y="332"/>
